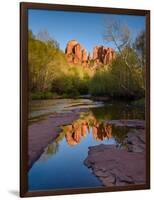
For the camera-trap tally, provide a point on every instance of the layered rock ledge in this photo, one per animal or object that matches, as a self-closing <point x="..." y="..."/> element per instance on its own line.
<point x="120" y="166"/>
<point x="43" y="132"/>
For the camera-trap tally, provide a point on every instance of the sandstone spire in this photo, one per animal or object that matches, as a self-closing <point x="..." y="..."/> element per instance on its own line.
<point x="77" y="55"/>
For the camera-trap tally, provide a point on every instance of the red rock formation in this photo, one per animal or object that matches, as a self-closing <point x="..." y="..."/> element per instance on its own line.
<point x="103" y="54"/>
<point x="84" y="55"/>
<point x="95" y="52"/>
<point x="120" y="166"/>
<point x="84" y="58"/>
<point x="73" y="52"/>
<point x="77" y="55"/>
<point x="89" y="57"/>
<point x="70" y="46"/>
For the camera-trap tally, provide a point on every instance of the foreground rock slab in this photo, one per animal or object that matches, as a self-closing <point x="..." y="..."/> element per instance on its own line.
<point x="43" y="132"/>
<point x="119" y="167"/>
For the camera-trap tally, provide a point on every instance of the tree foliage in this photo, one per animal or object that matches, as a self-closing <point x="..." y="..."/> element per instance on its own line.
<point x="140" y="47"/>
<point x="119" y="81"/>
<point x="49" y="71"/>
<point x="50" y="75"/>
<point x="125" y="77"/>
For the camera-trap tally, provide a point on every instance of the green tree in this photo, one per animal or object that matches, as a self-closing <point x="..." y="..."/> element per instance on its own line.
<point x="49" y="71"/>
<point x="140" y="47"/>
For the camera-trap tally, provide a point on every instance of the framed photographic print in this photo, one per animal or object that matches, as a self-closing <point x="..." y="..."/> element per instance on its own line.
<point x="85" y="99"/>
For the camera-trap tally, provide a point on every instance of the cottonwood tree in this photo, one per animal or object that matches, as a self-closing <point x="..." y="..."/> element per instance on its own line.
<point x="120" y="35"/>
<point x="44" y="36"/>
<point x="140" y="47"/>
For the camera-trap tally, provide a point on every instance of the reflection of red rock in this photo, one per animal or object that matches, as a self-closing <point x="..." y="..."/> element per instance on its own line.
<point x="79" y="129"/>
<point x="108" y="130"/>
<point x="70" y="140"/>
<point x="77" y="135"/>
<point x="102" y="132"/>
<point x="84" y="127"/>
<point x="94" y="131"/>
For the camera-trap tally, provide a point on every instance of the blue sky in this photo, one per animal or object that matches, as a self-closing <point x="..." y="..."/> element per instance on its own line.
<point x="86" y="28"/>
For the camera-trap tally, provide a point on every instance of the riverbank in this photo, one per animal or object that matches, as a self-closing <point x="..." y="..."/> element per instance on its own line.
<point x="45" y="131"/>
<point x="116" y="166"/>
<point x="136" y="101"/>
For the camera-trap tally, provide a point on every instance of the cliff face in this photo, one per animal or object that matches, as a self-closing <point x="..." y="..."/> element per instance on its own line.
<point x="74" y="53"/>
<point x="103" y="54"/>
<point x="77" y="55"/>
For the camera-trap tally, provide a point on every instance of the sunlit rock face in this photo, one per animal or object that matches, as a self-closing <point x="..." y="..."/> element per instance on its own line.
<point x="103" y="54"/>
<point x="76" y="54"/>
<point x="70" y="46"/>
<point x="73" y="52"/>
<point x="84" y="58"/>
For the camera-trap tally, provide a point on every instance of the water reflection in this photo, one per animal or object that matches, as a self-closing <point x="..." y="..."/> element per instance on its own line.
<point x="80" y="128"/>
<point x="62" y="160"/>
<point x="52" y="148"/>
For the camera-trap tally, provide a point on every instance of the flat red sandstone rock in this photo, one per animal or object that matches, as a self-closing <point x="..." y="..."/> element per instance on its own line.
<point x="43" y="132"/>
<point x="118" y="167"/>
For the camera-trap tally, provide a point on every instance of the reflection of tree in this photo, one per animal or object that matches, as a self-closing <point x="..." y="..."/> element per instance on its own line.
<point x="53" y="147"/>
<point x="118" y="111"/>
<point x="50" y="150"/>
<point x="119" y="133"/>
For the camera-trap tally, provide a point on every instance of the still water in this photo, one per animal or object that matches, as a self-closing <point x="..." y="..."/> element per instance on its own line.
<point x="62" y="163"/>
